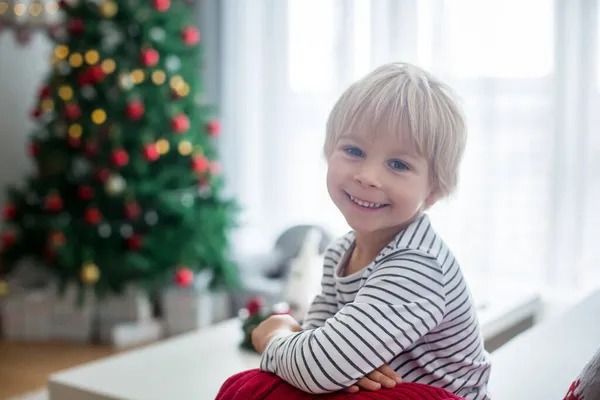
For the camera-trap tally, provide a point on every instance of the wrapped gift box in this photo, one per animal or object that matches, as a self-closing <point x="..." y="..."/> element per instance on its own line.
<point x="188" y="309"/>
<point x="133" y="305"/>
<point x="73" y="320"/>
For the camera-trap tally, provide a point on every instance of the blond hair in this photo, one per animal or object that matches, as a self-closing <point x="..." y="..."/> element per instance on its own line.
<point x="409" y="101"/>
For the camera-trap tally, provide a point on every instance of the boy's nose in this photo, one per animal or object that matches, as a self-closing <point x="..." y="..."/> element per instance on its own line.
<point x="368" y="177"/>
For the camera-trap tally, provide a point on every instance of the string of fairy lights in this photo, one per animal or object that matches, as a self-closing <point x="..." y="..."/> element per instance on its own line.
<point x="25" y="17"/>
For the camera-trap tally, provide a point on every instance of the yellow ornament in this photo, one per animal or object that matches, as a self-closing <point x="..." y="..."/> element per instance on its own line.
<point x="47" y="105"/>
<point x="3" y="288"/>
<point x="185" y="148"/>
<point x="65" y="93"/>
<point x="109" y="9"/>
<point x="92" y="57"/>
<point x="76" y="60"/>
<point x="162" y="145"/>
<point x="52" y="7"/>
<point x="177" y="83"/>
<point x="61" y="52"/>
<point x="3" y="7"/>
<point x="159" y="77"/>
<point x="108" y="66"/>
<point x="75" y="131"/>
<point x="98" y="116"/>
<point x="90" y="273"/>
<point x="138" y="76"/>
<point x="35" y="9"/>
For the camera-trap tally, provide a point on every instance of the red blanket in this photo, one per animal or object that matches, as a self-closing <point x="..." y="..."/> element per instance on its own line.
<point x="257" y="385"/>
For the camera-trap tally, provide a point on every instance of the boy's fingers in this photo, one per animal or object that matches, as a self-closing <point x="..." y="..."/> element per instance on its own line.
<point x="389" y="372"/>
<point x="352" y="389"/>
<point x="381" y="378"/>
<point x="368" y="384"/>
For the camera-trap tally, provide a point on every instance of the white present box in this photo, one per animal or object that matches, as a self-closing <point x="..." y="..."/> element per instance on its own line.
<point x="13" y="318"/>
<point x="37" y="310"/>
<point x="188" y="309"/>
<point x="133" y="305"/>
<point x="71" y="320"/>
<point x="128" y="334"/>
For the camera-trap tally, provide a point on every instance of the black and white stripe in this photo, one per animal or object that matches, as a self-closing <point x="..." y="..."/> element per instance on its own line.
<point x="410" y="309"/>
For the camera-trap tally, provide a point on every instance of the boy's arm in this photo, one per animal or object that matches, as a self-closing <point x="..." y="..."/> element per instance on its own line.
<point x="324" y="305"/>
<point x="400" y="302"/>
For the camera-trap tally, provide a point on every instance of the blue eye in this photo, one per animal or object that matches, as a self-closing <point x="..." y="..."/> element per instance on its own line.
<point x="353" y="151"/>
<point x="398" y="165"/>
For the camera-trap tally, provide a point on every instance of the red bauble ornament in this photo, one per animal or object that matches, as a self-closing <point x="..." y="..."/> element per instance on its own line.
<point x="35" y="113"/>
<point x="214" y="127"/>
<point x="135" y="110"/>
<point x="8" y="239"/>
<point x="200" y="164"/>
<point x="72" y="111"/>
<point x="34" y="149"/>
<point x="85" y="192"/>
<point x="53" y="202"/>
<point x="120" y="158"/>
<point x="9" y="212"/>
<point x="102" y="174"/>
<point x="149" y="57"/>
<point x="95" y="74"/>
<point x="45" y="92"/>
<point x="93" y="216"/>
<point x="76" y="26"/>
<point x="151" y="152"/>
<point x="254" y="305"/>
<point x="74" y="142"/>
<point x="132" y="210"/>
<point x="135" y="242"/>
<point x="180" y="123"/>
<point x="190" y="35"/>
<point x="184" y="277"/>
<point x="91" y="149"/>
<point x="84" y="78"/>
<point x="161" y="5"/>
<point x="49" y="253"/>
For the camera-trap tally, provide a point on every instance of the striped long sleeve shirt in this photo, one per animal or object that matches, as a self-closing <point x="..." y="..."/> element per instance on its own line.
<point x="410" y="309"/>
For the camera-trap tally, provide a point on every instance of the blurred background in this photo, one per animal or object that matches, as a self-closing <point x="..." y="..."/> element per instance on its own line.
<point x="527" y="212"/>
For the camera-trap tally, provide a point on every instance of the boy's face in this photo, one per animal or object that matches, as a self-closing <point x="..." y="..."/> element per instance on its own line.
<point x="378" y="182"/>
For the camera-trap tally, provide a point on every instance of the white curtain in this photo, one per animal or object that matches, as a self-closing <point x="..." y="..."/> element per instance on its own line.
<point x="527" y="210"/>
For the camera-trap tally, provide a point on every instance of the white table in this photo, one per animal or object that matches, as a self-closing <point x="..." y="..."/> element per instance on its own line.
<point x="194" y="366"/>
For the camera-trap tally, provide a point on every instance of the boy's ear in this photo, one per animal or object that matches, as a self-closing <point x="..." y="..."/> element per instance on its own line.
<point x="434" y="196"/>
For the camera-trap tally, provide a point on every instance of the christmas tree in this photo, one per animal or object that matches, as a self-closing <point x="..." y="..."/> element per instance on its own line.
<point x="127" y="187"/>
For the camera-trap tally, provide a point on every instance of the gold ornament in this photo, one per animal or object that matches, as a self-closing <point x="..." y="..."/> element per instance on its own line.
<point x="138" y="76"/>
<point x="108" y="66"/>
<point x="3" y="7"/>
<point x="185" y="148"/>
<point x="92" y="57"/>
<point x="35" y="9"/>
<point x="65" y="93"/>
<point x="98" y="116"/>
<point x="176" y="82"/>
<point x="20" y="9"/>
<point x="61" y="52"/>
<point x="3" y="288"/>
<point x="183" y="90"/>
<point x="162" y="146"/>
<point x="76" y="60"/>
<point x="159" y="77"/>
<point x="75" y="131"/>
<point x="47" y="105"/>
<point x="109" y="9"/>
<point x="90" y="273"/>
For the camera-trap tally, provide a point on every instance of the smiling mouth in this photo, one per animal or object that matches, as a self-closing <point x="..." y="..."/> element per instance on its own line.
<point x="365" y="204"/>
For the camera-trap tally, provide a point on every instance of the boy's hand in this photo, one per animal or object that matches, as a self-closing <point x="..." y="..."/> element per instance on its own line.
<point x="383" y="376"/>
<point x="263" y="333"/>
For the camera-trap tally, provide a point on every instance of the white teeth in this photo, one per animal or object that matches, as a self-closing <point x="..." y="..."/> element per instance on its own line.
<point x="364" y="203"/>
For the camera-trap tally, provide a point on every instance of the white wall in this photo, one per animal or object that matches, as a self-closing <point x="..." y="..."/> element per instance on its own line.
<point x="22" y="70"/>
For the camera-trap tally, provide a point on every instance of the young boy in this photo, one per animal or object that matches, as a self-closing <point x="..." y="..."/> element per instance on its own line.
<point x="394" y="304"/>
